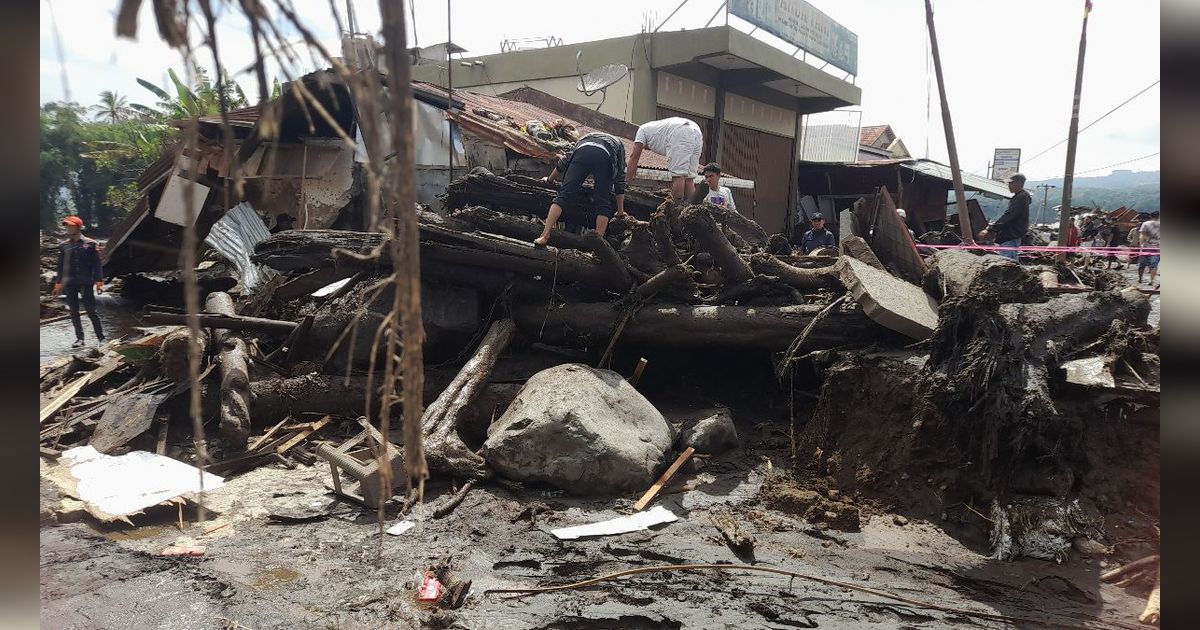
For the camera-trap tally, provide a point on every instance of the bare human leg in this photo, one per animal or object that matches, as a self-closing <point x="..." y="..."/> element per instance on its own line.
<point x="689" y="187"/>
<point x="601" y="225"/>
<point x="551" y="219"/>
<point x="677" y="188"/>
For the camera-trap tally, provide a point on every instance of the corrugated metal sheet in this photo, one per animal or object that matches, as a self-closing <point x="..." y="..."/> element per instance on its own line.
<point x="974" y="182"/>
<point x="234" y="237"/>
<point x="244" y="117"/>
<point x="517" y="113"/>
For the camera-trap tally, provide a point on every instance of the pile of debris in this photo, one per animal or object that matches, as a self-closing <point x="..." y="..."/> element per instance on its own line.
<point x="987" y="407"/>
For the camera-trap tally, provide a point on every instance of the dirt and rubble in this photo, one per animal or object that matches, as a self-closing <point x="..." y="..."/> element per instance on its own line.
<point x="928" y="441"/>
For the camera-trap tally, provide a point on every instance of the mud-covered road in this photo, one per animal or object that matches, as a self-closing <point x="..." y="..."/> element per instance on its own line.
<point x="338" y="572"/>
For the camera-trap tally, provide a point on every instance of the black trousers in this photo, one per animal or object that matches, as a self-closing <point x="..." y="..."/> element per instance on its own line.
<point x="594" y="161"/>
<point x="76" y="293"/>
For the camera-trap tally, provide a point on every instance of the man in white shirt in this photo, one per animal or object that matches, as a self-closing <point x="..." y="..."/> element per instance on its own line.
<point x="717" y="194"/>
<point x="1148" y="234"/>
<point x="681" y="141"/>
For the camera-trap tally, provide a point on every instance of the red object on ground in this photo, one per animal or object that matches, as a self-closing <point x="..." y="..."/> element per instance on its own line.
<point x="431" y="588"/>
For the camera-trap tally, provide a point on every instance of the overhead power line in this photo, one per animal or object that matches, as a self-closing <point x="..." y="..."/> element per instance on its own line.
<point x="1126" y="102"/>
<point x="1100" y="168"/>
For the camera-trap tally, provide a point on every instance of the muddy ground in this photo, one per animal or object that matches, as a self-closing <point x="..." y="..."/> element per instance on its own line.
<point x="339" y="573"/>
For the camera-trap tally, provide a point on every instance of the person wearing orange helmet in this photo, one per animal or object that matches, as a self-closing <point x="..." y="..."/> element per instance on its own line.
<point x="79" y="269"/>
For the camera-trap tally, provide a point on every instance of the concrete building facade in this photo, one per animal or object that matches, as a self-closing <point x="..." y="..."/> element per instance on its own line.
<point x="747" y="96"/>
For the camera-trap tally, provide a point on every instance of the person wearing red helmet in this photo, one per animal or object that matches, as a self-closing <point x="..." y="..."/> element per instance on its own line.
<point x="79" y="269"/>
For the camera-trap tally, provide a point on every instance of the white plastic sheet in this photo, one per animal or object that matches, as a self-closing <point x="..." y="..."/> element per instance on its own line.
<point x="131" y="482"/>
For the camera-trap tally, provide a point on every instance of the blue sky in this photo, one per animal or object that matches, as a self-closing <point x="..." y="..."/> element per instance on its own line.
<point x="1009" y="66"/>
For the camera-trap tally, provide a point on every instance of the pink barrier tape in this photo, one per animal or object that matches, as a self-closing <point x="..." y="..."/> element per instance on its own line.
<point x="1032" y="249"/>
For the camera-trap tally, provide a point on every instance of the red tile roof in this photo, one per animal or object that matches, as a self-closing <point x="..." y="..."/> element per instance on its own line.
<point x="870" y="135"/>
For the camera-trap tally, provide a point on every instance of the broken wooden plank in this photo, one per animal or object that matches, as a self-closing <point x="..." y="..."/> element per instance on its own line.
<point x="63" y="397"/>
<point x="303" y="435"/>
<point x="662" y="481"/>
<point x="264" y="437"/>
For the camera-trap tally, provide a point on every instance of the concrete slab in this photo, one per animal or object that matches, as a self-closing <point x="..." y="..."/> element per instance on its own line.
<point x="889" y="301"/>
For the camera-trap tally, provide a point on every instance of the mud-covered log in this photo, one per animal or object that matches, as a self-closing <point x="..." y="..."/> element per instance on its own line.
<point x="805" y="279"/>
<point x="304" y="249"/>
<point x="748" y="229"/>
<point x="235" y="377"/>
<point x="961" y="272"/>
<point x="616" y="273"/>
<point x="660" y="223"/>
<point x="174" y="352"/>
<point x="486" y="220"/>
<point x="675" y="279"/>
<point x="767" y="328"/>
<point x="444" y="449"/>
<point x="239" y="323"/>
<point x="988" y="375"/>
<point x="698" y="221"/>
<point x="779" y="245"/>
<point x="641" y="250"/>
<point x="276" y="398"/>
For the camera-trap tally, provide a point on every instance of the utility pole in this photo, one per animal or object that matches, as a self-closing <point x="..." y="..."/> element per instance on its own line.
<point x="1064" y="214"/>
<point x="964" y="218"/>
<point x="449" y="97"/>
<point x="1045" y="192"/>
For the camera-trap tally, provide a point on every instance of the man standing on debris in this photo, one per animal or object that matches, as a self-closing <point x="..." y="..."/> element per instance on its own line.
<point x="79" y="269"/>
<point x="717" y="194"/>
<point x="603" y="157"/>
<point x="681" y="141"/>
<point x="818" y="236"/>
<point x="1011" y="227"/>
<point x="1148" y="237"/>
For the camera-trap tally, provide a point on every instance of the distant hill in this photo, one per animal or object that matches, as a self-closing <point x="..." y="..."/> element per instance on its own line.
<point x="1140" y="190"/>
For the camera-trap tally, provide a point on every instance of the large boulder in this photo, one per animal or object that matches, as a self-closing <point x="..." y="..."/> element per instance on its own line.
<point x="584" y="430"/>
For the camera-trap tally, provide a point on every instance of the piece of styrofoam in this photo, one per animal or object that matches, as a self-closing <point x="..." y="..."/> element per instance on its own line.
<point x="131" y="482"/>
<point x="621" y="525"/>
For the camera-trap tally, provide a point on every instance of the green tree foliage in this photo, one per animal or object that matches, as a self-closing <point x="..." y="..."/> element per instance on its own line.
<point x="202" y="99"/>
<point x="88" y="167"/>
<point x="113" y="107"/>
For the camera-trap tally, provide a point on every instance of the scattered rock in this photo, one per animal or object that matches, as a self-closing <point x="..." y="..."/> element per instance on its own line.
<point x="900" y="520"/>
<point x="585" y="430"/>
<point x="1088" y="547"/>
<point x="709" y="431"/>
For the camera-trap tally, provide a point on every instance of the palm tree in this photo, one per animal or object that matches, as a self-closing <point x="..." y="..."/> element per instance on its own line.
<point x="202" y="100"/>
<point x="113" y="107"/>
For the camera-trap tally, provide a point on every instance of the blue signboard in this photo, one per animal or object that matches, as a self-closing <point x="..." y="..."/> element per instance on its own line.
<point x="803" y="25"/>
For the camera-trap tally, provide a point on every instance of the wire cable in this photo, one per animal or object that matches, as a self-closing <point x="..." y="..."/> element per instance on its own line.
<point x="1143" y="91"/>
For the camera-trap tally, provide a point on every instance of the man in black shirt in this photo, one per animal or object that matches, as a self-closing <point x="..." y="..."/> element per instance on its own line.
<point x="79" y="269"/>
<point x="1011" y="227"/>
<point x="601" y="156"/>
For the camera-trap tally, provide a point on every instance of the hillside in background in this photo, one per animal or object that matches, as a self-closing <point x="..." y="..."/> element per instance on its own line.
<point x="1140" y="190"/>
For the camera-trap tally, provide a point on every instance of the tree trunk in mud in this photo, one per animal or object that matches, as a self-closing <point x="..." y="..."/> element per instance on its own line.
<point x="235" y="378"/>
<point x="749" y="230"/>
<point x="273" y="399"/>
<point x="767" y="328"/>
<point x="700" y="224"/>
<point x="956" y="272"/>
<point x="174" y="352"/>
<point x="805" y="279"/>
<point x="522" y="228"/>
<point x="444" y="449"/>
<point x="641" y="251"/>
<point x="988" y="374"/>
